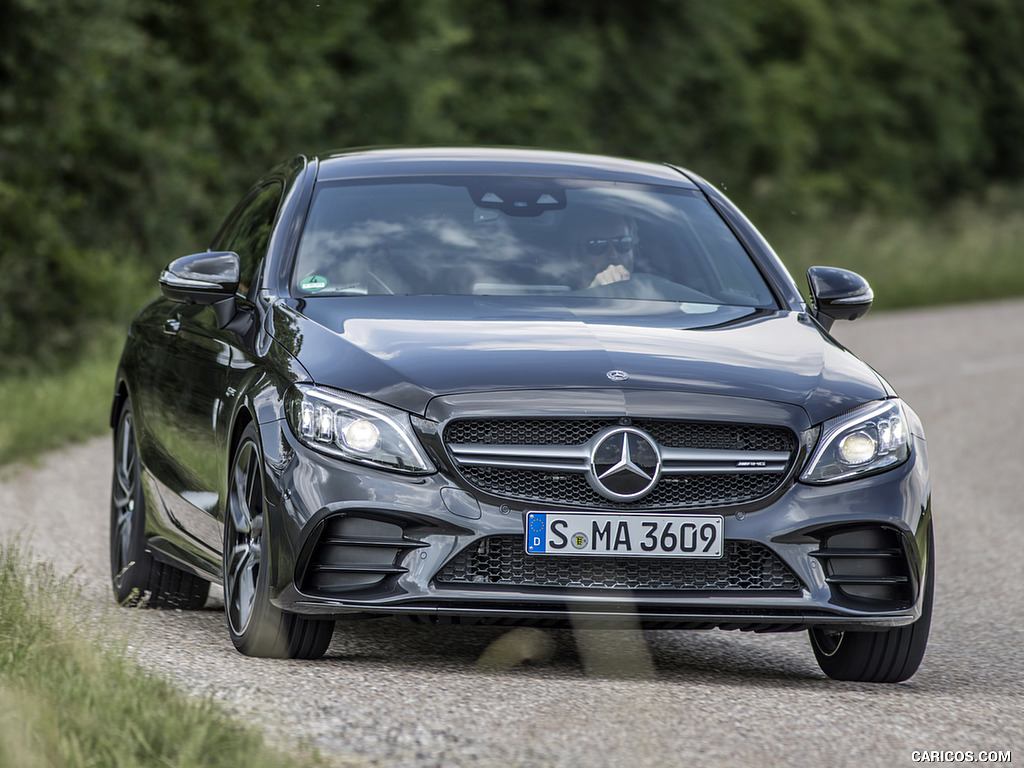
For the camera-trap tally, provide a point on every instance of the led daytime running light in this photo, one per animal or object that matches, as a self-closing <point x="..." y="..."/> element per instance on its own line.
<point x="356" y="429"/>
<point x="870" y="439"/>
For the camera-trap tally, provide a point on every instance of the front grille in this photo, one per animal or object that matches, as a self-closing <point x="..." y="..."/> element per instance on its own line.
<point x="501" y="560"/>
<point x="546" y="461"/>
<point x="573" y="490"/>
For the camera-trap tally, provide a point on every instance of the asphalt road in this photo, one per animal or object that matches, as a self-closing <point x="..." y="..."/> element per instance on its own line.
<point x="393" y="695"/>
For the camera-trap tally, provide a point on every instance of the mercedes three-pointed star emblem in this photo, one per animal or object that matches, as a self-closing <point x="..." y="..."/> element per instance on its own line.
<point x="625" y="464"/>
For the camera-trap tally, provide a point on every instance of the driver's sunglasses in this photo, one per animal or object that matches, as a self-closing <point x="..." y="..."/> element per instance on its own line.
<point x="599" y="246"/>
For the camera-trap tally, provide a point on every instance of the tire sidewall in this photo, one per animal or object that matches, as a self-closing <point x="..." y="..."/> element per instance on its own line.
<point x="848" y="660"/>
<point x="264" y="633"/>
<point x="125" y="573"/>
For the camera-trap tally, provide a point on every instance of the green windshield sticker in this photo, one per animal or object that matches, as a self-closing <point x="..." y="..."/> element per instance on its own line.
<point x="313" y="283"/>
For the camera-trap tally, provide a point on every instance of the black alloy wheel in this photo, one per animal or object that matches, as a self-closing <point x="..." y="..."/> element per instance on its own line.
<point x="256" y="626"/>
<point x="889" y="656"/>
<point x="137" y="578"/>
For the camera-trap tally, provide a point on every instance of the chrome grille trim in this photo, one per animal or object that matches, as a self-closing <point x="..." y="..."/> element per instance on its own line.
<point x="710" y="453"/>
<point x="557" y="458"/>
<point x="576" y="458"/>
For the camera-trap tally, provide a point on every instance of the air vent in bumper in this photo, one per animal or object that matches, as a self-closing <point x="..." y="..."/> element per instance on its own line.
<point x="867" y="566"/>
<point x="354" y="553"/>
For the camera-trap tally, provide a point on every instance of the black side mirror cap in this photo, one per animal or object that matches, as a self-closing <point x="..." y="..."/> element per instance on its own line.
<point x="209" y="278"/>
<point x="201" y="278"/>
<point x="838" y="294"/>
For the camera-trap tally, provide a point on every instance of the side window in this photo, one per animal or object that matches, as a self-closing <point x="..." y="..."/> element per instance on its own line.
<point x="249" y="233"/>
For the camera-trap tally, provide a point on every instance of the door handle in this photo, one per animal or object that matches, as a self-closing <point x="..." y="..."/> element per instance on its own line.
<point x="171" y="326"/>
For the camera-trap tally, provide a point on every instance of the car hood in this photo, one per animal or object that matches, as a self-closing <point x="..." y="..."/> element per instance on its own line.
<point x="404" y="351"/>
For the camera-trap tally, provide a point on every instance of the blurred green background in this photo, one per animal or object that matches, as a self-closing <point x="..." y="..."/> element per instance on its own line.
<point x="883" y="135"/>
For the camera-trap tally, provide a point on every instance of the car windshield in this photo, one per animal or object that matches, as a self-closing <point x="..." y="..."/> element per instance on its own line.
<point x="512" y="236"/>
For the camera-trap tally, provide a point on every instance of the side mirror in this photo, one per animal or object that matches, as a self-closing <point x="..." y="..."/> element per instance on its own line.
<point x="204" y="278"/>
<point x="838" y="294"/>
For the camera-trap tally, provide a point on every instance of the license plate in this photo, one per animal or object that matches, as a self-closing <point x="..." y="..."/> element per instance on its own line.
<point x="558" y="533"/>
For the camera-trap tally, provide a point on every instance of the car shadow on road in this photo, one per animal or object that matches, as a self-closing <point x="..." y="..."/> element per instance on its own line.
<point x="717" y="657"/>
<point x="705" y="655"/>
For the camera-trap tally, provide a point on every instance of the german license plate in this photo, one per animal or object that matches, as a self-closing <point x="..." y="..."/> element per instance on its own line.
<point x="572" y="533"/>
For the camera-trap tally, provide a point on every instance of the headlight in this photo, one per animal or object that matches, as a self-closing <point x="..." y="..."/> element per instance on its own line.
<point x="869" y="439"/>
<point x="352" y="428"/>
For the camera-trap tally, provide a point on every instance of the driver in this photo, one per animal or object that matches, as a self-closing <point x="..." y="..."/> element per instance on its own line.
<point x="605" y="248"/>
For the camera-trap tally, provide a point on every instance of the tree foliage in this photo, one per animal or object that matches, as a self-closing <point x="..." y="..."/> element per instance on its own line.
<point x="128" y="129"/>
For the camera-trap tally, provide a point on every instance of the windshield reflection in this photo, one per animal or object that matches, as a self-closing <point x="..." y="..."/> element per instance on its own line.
<point x="522" y="237"/>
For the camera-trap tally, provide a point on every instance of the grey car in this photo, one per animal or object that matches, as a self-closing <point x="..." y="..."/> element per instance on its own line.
<point x="515" y="387"/>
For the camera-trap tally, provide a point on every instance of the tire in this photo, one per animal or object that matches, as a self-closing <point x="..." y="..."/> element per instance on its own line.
<point x="257" y="627"/>
<point x="889" y="656"/>
<point x="140" y="581"/>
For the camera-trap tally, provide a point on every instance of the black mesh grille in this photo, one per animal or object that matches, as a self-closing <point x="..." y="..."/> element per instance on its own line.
<point x="735" y="437"/>
<point x="572" y="489"/>
<point x="525" y="431"/>
<point x="500" y="560"/>
<point x="674" y="491"/>
<point x="671" y="434"/>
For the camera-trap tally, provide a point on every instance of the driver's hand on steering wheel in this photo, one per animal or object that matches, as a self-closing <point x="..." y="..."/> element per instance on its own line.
<point x="613" y="273"/>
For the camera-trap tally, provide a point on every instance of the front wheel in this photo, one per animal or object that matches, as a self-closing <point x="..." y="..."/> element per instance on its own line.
<point x="256" y="626"/>
<point x="889" y="656"/>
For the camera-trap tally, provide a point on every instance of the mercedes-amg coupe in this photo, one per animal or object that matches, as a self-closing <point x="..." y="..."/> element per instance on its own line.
<point x="514" y="387"/>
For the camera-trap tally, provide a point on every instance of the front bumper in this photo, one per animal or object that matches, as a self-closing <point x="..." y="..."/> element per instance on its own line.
<point x="353" y="542"/>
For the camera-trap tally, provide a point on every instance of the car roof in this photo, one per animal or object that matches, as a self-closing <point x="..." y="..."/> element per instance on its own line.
<point x="482" y="161"/>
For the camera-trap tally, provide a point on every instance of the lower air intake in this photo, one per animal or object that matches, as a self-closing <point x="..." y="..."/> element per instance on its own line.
<point x="501" y="560"/>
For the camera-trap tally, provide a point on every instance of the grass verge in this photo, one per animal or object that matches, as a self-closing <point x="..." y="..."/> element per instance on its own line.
<point x="967" y="253"/>
<point x="46" y="409"/>
<point x="67" y="701"/>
